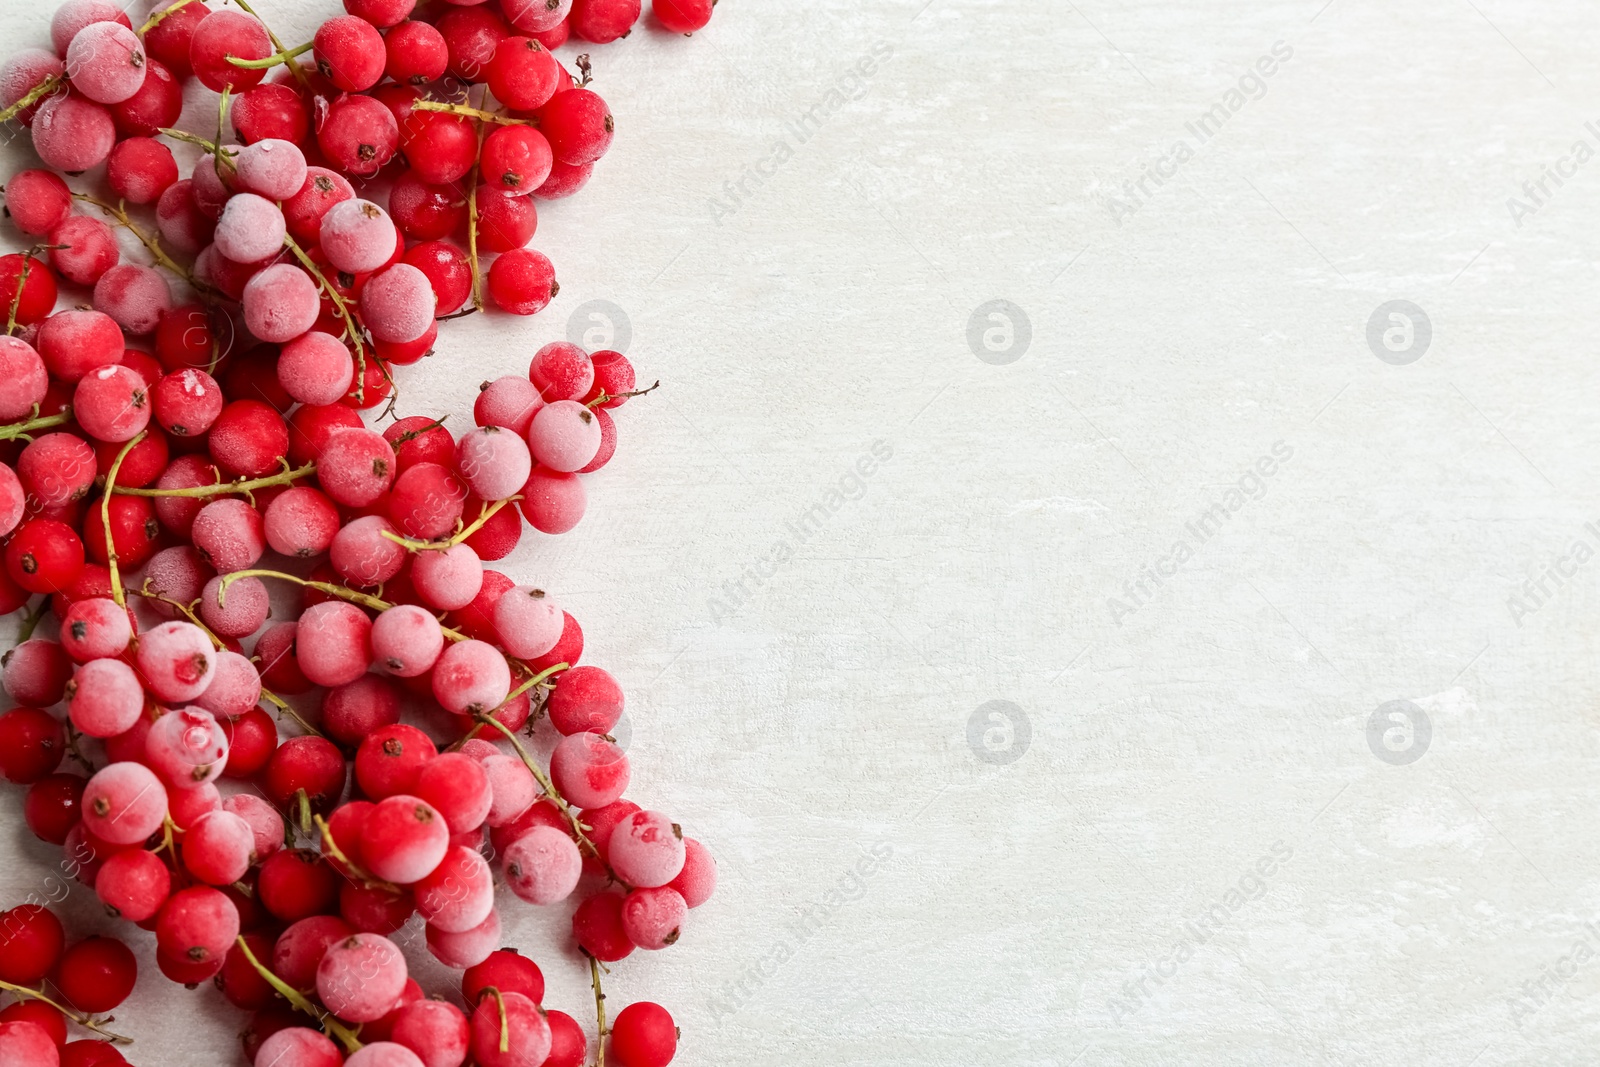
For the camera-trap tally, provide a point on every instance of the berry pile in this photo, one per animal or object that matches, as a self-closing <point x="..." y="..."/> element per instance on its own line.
<point x="150" y="497"/>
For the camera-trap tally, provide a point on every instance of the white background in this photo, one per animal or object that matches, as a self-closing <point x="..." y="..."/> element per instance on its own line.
<point x="826" y="713"/>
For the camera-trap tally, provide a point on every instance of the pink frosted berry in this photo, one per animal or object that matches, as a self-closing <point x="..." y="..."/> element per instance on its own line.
<point x="106" y="63"/>
<point x="178" y="573"/>
<point x="363" y="556"/>
<point x="564" y="436"/>
<point x="106" y="698"/>
<point x="447" y="579"/>
<point x="652" y="917"/>
<point x="332" y="643"/>
<point x="458" y="894"/>
<point x="229" y="535"/>
<point x="72" y="134"/>
<point x="469" y="949"/>
<point x="384" y="1054"/>
<point x="176" y="660"/>
<point x="357" y="236"/>
<point x="361" y="977"/>
<point x="494" y="461"/>
<point x="356" y="466"/>
<point x="590" y="771"/>
<point x="84" y="249"/>
<point x="124" y="803"/>
<point x="403" y="839"/>
<point x="94" y="628"/>
<point x="280" y="303"/>
<point x="187" y="747"/>
<point x="134" y="296"/>
<point x="509" y="402"/>
<point x="316" y="368"/>
<point x="235" y="685"/>
<point x="186" y="806"/>
<point x="646" y="849"/>
<point x="241" y="613"/>
<point x="458" y="788"/>
<point x="471" y="678"/>
<point x="301" y="522"/>
<point x="298" y="1046"/>
<point x="435" y="1030"/>
<point x="561" y="371"/>
<point x="13" y="500"/>
<point x="271" y="168"/>
<point x="398" y="304"/>
<point x="71" y="17"/>
<point x="406" y="641"/>
<point x="542" y="866"/>
<point x="218" y="848"/>
<point x="528" y="621"/>
<point x="22" y="71"/>
<point x="57" y="469"/>
<point x="111" y="403"/>
<point x="251" y="229"/>
<point x="266" y="825"/>
<point x="23" y="379"/>
<point x="511" y="787"/>
<point x="36" y="673"/>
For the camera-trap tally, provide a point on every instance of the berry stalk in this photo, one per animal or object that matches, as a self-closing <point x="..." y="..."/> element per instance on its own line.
<point x="285" y="56"/>
<point x="294" y="68"/>
<point x="105" y="519"/>
<point x="287" y="476"/>
<point x="120" y="215"/>
<point x="33" y="96"/>
<point x="488" y="512"/>
<point x="88" y="1022"/>
<point x="351" y="330"/>
<point x="158" y="17"/>
<point x="331" y="847"/>
<point x="599" y="1013"/>
<point x="467" y="112"/>
<point x="34" y="422"/>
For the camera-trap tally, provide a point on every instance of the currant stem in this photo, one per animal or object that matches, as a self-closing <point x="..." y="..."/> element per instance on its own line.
<point x="33" y="96"/>
<point x="285" y="57"/>
<point x="157" y="17"/>
<point x="332" y="1026"/>
<point x="120" y="214"/>
<point x="605" y="396"/>
<point x="299" y="75"/>
<point x="284" y="477"/>
<point x="105" y="519"/>
<point x="88" y="1022"/>
<point x="505" y="1026"/>
<point x="223" y="153"/>
<point x="599" y="1013"/>
<point x="470" y="112"/>
<point x="331" y="847"/>
<point x="485" y="514"/>
<point x="544" y="782"/>
<point x="34" y="422"/>
<point x="350" y="327"/>
<point x="472" y="218"/>
<point x="16" y="298"/>
<point x="77" y="753"/>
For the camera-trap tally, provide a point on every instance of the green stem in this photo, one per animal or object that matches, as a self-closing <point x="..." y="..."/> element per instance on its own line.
<point x="332" y="1026"/>
<point x="331" y="847"/>
<point x="157" y="17"/>
<point x="470" y="112"/>
<point x="284" y="477"/>
<point x="33" y="96"/>
<point x="34" y="422"/>
<point x="599" y="1013"/>
<point x="350" y="328"/>
<point x="543" y="779"/>
<point x="299" y="75"/>
<point x="16" y="297"/>
<point x="485" y="514"/>
<point x="162" y="259"/>
<point x="88" y="1022"/>
<point x="505" y="1025"/>
<point x="286" y="56"/>
<point x="105" y="518"/>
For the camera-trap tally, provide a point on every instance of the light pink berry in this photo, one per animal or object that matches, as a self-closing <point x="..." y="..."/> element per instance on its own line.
<point x="106" y="698"/>
<point x="94" y="628"/>
<point x="543" y="865"/>
<point x="301" y="522"/>
<point x="251" y="229"/>
<point x="124" y="803"/>
<point x="281" y="303"/>
<point x="218" y="848"/>
<point x="187" y="747"/>
<point x="271" y="168"/>
<point x="447" y="579"/>
<point x="470" y="678"/>
<point x="106" y="63"/>
<point x="652" y="917"/>
<point x="398" y="304"/>
<point x="406" y="641"/>
<point x="363" y="556"/>
<point x="176" y="660"/>
<point x="229" y="536"/>
<point x="332" y="643"/>
<point x="266" y="825"/>
<point x="646" y="849"/>
<point x="589" y="771"/>
<point x="23" y="379"/>
<point x="241" y="613"/>
<point x="403" y="839"/>
<point x="72" y="134"/>
<point x="494" y="461"/>
<point x="458" y="894"/>
<point x="511" y="786"/>
<point x="460" y="951"/>
<point x="361" y="977"/>
<point x="134" y="296"/>
<point x="528" y="621"/>
<point x="357" y="236"/>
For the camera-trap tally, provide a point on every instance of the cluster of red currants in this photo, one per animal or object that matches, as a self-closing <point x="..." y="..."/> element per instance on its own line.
<point x="169" y="476"/>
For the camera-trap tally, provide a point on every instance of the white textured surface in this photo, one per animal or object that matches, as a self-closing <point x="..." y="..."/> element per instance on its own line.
<point x="824" y="714"/>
